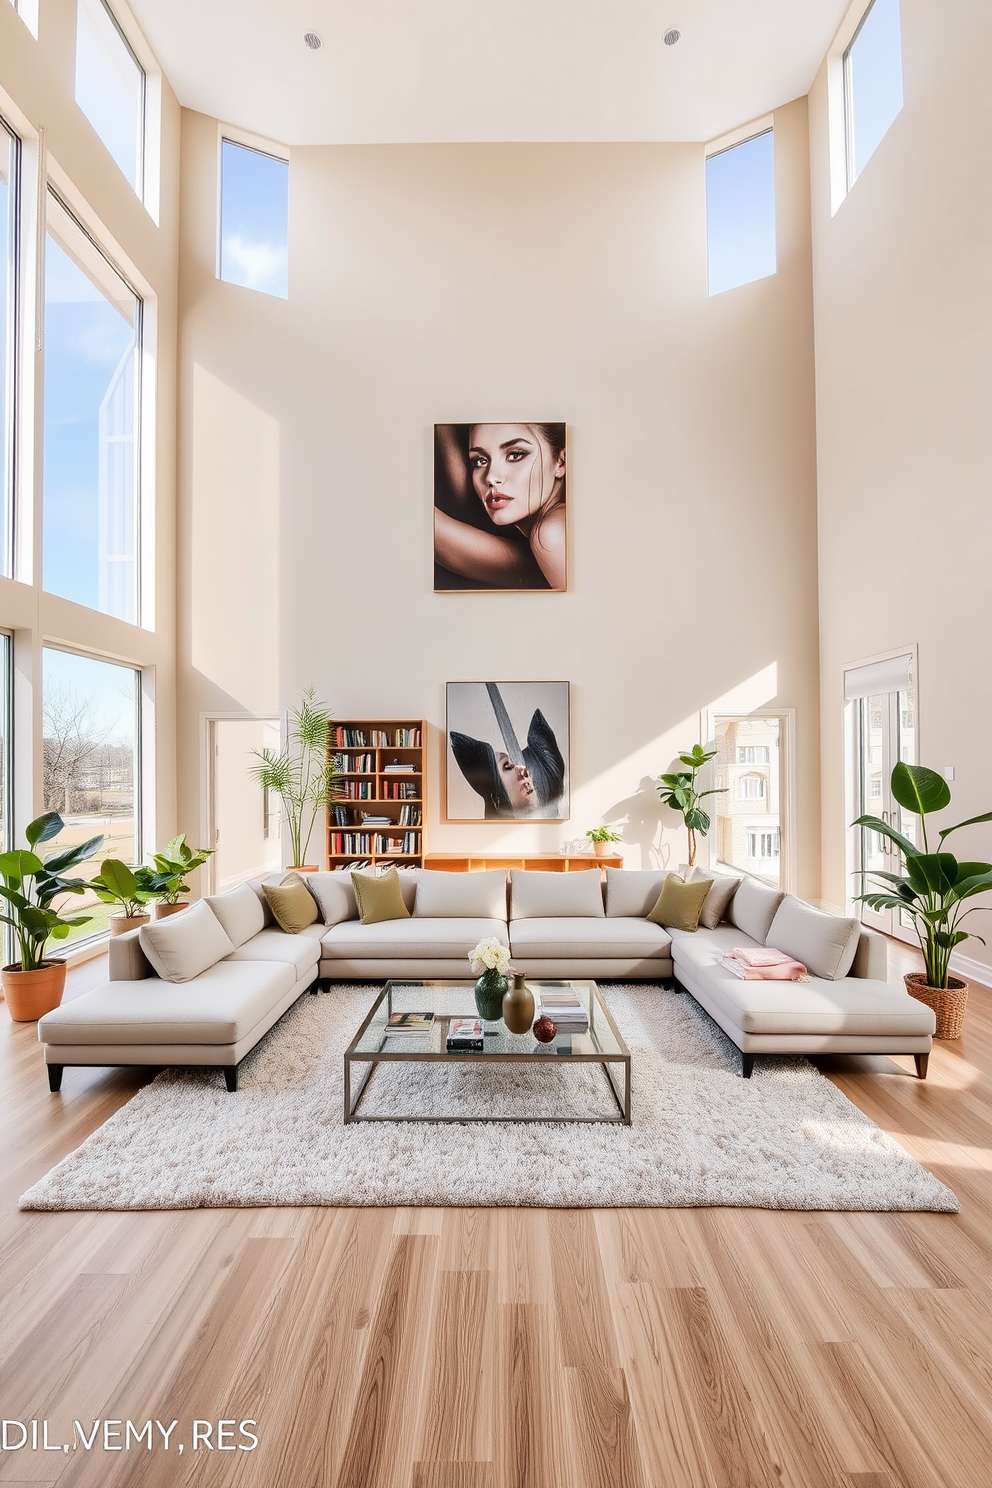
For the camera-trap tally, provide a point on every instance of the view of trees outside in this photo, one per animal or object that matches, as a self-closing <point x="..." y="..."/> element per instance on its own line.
<point x="747" y="824"/>
<point x="92" y="333"/>
<point x="90" y="733"/>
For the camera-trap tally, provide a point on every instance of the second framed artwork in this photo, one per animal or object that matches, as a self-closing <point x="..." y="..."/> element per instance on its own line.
<point x="506" y="753"/>
<point x="499" y="507"/>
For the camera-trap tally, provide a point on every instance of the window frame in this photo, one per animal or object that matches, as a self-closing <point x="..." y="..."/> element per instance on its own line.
<point x="10" y="413"/>
<point x="244" y="140"/>
<point x="710" y="719"/>
<point x="140" y="409"/>
<point x="141" y="173"/>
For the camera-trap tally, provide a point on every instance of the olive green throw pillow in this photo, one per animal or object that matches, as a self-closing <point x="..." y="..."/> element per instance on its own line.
<point x="379" y="897"/>
<point x="292" y="904"/>
<point x="679" y="904"/>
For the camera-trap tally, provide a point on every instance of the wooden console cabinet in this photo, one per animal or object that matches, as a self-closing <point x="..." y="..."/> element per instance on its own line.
<point x="545" y="862"/>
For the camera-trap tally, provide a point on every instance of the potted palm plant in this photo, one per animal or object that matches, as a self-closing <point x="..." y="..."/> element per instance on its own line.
<point x="34" y="986"/>
<point x="130" y="888"/>
<point x="678" y="790"/>
<point x="602" y="839"/>
<point x="172" y="868"/>
<point x="302" y="774"/>
<point x="933" y="892"/>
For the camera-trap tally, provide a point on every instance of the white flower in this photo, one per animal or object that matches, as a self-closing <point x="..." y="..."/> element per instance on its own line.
<point x="489" y="955"/>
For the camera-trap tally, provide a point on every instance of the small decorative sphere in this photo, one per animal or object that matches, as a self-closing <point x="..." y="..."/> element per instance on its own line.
<point x="544" y="1030"/>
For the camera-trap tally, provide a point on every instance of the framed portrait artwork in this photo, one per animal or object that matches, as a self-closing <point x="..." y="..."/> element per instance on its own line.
<point x="506" y="751"/>
<point x="499" y="507"/>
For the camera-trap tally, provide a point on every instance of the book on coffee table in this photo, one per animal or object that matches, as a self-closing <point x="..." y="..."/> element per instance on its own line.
<point x="465" y="1036"/>
<point x="565" y="1010"/>
<point x="408" y="1023"/>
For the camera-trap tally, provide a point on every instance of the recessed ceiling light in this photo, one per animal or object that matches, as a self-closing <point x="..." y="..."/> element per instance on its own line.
<point x="312" y="40"/>
<point x="672" y="36"/>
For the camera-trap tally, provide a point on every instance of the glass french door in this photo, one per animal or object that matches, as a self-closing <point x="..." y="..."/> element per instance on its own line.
<point x="885" y="733"/>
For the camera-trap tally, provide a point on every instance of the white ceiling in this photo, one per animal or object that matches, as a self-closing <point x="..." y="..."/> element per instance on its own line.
<point x="409" y="71"/>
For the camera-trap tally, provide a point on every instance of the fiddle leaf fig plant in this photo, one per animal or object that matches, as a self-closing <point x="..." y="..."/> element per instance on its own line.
<point x="934" y="889"/>
<point x="678" y="790"/>
<point x="31" y="884"/>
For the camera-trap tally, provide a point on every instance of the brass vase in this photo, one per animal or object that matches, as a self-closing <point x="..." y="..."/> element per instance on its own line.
<point x="518" y="1006"/>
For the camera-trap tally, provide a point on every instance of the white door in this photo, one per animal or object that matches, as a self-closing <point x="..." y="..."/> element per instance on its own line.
<point x="884" y="732"/>
<point x="245" y="822"/>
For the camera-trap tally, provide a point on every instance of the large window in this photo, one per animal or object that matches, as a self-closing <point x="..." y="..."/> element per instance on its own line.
<point x="92" y="768"/>
<point x="110" y="86"/>
<point x="9" y="160"/>
<point x="92" y="370"/>
<point x="872" y="83"/>
<point x="6" y="741"/>
<point x="740" y="213"/>
<point x="254" y="219"/>
<point x="747" y="815"/>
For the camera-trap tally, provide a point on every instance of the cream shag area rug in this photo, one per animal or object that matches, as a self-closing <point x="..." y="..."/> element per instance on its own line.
<point x="701" y="1135"/>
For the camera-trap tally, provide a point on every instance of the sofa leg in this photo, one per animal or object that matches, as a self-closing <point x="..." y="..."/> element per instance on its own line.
<point x="231" y="1077"/>
<point x="55" y="1077"/>
<point x="747" y="1065"/>
<point x="922" y="1060"/>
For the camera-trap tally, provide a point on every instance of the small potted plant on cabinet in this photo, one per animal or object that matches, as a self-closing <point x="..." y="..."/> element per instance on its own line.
<point x="168" y="878"/>
<point x="130" y="888"/>
<point x="602" y="839"/>
<point x="302" y="774"/>
<point x="34" y="985"/>
<point x="932" y="893"/>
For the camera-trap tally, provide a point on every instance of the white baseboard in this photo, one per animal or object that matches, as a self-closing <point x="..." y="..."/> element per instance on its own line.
<point x="975" y="971"/>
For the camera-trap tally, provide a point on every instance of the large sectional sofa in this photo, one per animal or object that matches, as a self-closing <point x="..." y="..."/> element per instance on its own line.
<point x="206" y="989"/>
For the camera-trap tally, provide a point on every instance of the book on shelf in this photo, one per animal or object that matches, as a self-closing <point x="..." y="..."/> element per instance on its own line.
<point x="465" y="1035"/>
<point x="369" y="820"/>
<point x="398" y="767"/>
<point x="410" y="1023"/>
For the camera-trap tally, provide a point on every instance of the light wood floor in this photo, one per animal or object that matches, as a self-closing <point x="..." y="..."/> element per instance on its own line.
<point x="509" y="1348"/>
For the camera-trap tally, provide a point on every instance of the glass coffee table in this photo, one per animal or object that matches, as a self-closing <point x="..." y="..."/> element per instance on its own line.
<point x="372" y="1047"/>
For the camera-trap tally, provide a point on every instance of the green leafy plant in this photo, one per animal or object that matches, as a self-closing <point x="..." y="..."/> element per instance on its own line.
<point x="302" y="774"/>
<point x="173" y="866"/>
<point x="130" y="888"/>
<point x="603" y="834"/>
<point x="678" y="790"/>
<point x="935" y="887"/>
<point x="30" y="885"/>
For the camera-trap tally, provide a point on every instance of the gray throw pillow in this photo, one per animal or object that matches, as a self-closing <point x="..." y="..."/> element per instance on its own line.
<point x="723" y="887"/>
<point x="753" y="907"/>
<point x="824" y="943"/>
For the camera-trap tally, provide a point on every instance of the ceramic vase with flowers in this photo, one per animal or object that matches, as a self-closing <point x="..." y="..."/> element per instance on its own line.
<point x="490" y="962"/>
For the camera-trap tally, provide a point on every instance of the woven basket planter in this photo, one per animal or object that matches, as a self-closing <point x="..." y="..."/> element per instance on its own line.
<point x="947" y="1002"/>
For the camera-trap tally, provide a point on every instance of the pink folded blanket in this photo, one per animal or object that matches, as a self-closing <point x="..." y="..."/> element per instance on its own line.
<point x="764" y="964"/>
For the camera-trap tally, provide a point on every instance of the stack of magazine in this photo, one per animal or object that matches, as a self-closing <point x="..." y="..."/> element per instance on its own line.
<point x="465" y="1036"/>
<point x="415" y="1024"/>
<point x="564" y="1008"/>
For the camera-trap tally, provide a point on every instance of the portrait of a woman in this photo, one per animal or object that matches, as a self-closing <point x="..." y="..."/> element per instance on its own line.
<point x="499" y="506"/>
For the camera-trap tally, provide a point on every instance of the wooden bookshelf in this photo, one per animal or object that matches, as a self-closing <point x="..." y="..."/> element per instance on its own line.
<point x="377" y="776"/>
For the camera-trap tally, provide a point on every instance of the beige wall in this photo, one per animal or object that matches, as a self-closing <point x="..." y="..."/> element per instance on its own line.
<point x="36" y="90"/>
<point x="903" y="306"/>
<point x="479" y="282"/>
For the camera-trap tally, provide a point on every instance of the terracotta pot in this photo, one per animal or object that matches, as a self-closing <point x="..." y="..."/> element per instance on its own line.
<point x="303" y="868"/>
<point x="518" y="1005"/>
<point x="947" y="1002"/>
<point x="31" y="994"/>
<point x="120" y="924"/>
<point x="161" y="911"/>
<point x="603" y="849"/>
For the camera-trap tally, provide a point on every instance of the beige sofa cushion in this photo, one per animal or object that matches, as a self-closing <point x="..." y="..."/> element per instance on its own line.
<point x="824" y="943"/>
<point x="632" y="891"/>
<point x="753" y="907"/>
<point x="240" y="913"/>
<point x="185" y="945"/>
<point x="448" y="895"/>
<point x="589" y="938"/>
<point x="723" y="887"/>
<point x="301" y="951"/>
<point x="222" y="1006"/>
<point x="539" y="896"/>
<point x="424" y="939"/>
